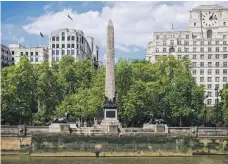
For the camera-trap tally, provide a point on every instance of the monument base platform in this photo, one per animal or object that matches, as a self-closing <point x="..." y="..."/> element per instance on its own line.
<point x="58" y="127"/>
<point x="110" y="126"/>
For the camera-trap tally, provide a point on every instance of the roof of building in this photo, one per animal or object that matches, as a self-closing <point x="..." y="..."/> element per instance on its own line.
<point x="207" y="7"/>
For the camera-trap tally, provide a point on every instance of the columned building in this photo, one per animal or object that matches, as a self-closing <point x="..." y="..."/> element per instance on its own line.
<point x="204" y="43"/>
<point x="70" y="42"/>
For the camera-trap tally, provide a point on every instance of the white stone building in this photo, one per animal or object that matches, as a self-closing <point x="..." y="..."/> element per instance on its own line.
<point x="6" y="57"/>
<point x="204" y="43"/>
<point x="35" y="54"/>
<point x="70" y="42"/>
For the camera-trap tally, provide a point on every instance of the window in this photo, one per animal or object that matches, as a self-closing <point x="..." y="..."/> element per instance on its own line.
<point x="209" y="34"/>
<point x="209" y="49"/>
<point x="217" y="56"/>
<point x="57" y="45"/>
<point x="157" y="43"/>
<point x="53" y="38"/>
<point x="209" y="42"/>
<point x="63" y="45"/>
<point x="187" y="36"/>
<point x="36" y="53"/>
<point x="31" y="59"/>
<point x="194" y="72"/>
<point x="77" y="39"/>
<point x="31" y="53"/>
<point x="179" y="42"/>
<point x="186" y="49"/>
<point x="201" y="71"/>
<point x="224" y="64"/>
<point x="217" y="64"/>
<point x="164" y="49"/>
<point x="21" y="53"/>
<point x="57" y="52"/>
<point x="157" y="50"/>
<point x="72" y="37"/>
<point x="209" y="101"/>
<point x="68" y="45"/>
<point x="194" y="56"/>
<point x="68" y="38"/>
<point x="224" y="49"/>
<point x="57" y="59"/>
<point x="224" y="23"/>
<point x="209" y="86"/>
<point x="224" y="71"/>
<point x="179" y="49"/>
<point x="63" y="36"/>
<point x="224" y="79"/>
<point x="12" y="52"/>
<point x="68" y="52"/>
<point x="164" y="43"/>
<point x="209" y="93"/>
<point x="201" y="64"/>
<point x="26" y="53"/>
<point x="194" y="23"/>
<point x="72" y="45"/>
<point x="209" y="79"/>
<point x="201" y="49"/>
<point x="194" y="64"/>
<point x="194" y="43"/>
<point x="209" y="56"/>
<point x="201" y="56"/>
<point x="217" y="71"/>
<point x="209" y="71"/>
<point x="171" y="42"/>
<point x="57" y="38"/>
<point x="72" y="52"/>
<point x="224" y="36"/>
<point x="216" y="85"/>
<point x="217" y="42"/>
<point x="201" y="79"/>
<point x="37" y="59"/>
<point x="77" y="46"/>
<point x="53" y="45"/>
<point x="12" y="59"/>
<point x="217" y="49"/>
<point x="209" y="64"/>
<point x="77" y="52"/>
<point x="157" y="37"/>
<point x="194" y="49"/>
<point x="216" y="79"/>
<point x="63" y="52"/>
<point x="186" y="43"/>
<point x="201" y="43"/>
<point x="53" y="52"/>
<point x="179" y="56"/>
<point x="224" y="42"/>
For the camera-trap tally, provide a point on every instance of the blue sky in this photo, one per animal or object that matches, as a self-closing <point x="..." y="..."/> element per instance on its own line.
<point x="134" y="22"/>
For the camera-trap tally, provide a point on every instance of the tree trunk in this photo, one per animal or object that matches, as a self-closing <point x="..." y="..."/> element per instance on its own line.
<point x="180" y="123"/>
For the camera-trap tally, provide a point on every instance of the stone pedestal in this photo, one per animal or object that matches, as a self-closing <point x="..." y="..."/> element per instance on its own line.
<point x="148" y="126"/>
<point x="160" y="128"/>
<point x="58" y="127"/>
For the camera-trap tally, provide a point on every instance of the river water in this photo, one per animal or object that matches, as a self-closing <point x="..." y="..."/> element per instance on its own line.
<point x="20" y="159"/>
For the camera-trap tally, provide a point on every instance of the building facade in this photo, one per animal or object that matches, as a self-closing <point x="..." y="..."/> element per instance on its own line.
<point x="204" y="43"/>
<point x="70" y="42"/>
<point x="6" y="57"/>
<point x="35" y="54"/>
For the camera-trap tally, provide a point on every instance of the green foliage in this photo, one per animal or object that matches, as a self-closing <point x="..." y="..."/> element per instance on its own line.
<point x="38" y="93"/>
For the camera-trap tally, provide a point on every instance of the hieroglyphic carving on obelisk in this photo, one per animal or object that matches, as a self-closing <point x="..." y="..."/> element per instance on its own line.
<point x="110" y="63"/>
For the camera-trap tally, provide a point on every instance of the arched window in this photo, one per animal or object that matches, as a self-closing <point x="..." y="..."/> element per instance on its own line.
<point x="209" y="34"/>
<point x="224" y="23"/>
<point x="63" y="36"/>
<point x="194" y="23"/>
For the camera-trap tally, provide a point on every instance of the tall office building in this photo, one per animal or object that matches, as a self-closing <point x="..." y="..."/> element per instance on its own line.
<point x="204" y="43"/>
<point x="70" y="42"/>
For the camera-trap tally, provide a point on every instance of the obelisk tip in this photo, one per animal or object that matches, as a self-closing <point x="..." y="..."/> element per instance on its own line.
<point x="110" y="22"/>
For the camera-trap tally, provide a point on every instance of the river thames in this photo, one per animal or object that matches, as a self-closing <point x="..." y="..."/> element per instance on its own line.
<point x="16" y="159"/>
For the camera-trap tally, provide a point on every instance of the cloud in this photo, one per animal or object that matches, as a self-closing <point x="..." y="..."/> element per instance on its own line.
<point x="46" y="7"/>
<point x="21" y="40"/>
<point x="134" y="22"/>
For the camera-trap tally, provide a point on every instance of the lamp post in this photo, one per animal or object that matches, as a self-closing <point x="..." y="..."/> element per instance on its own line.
<point x="217" y="90"/>
<point x="205" y="110"/>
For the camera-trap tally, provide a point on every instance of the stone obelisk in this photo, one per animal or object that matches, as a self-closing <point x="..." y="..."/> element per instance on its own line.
<point x="110" y="108"/>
